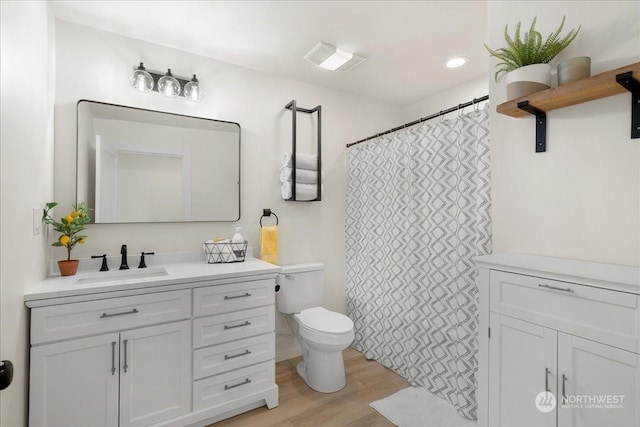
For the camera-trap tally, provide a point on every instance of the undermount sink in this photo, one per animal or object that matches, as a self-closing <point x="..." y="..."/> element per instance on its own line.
<point x="112" y="276"/>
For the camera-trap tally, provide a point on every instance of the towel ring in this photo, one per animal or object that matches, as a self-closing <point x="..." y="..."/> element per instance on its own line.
<point x="267" y="212"/>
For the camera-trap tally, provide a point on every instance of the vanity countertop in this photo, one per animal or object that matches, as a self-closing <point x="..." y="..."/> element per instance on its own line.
<point x="83" y="285"/>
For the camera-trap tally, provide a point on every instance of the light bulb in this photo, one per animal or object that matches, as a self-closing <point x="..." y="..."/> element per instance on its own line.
<point x="193" y="90"/>
<point x="141" y="80"/>
<point x="168" y="85"/>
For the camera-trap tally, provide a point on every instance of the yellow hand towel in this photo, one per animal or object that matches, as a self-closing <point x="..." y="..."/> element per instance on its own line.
<point x="269" y="244"/>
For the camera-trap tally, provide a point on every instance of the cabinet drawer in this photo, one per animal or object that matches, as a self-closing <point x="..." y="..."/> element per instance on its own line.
<point x="214" y="391"/>
<point x="236" y="354"/>
<point x="238" y="296"/>
<point x="93" y="317"/>
<point x="233" y="326"/>
<point x="603" y="315"/>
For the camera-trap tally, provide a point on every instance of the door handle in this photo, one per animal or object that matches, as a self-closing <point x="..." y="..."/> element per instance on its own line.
<point x="113" y="358"/>
<point x="546" y="379"/>
<point x="564" y="391"/>
<point x="125" y="366"/>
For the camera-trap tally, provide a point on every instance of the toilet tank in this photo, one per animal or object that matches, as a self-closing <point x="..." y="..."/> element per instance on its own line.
<point x="301" y="286"/>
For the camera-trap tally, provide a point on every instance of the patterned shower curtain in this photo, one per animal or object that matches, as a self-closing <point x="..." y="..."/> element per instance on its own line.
<point x="417" y="213"/>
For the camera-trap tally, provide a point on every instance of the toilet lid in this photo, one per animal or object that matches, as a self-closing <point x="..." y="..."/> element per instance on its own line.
<point x="323" y="320"/>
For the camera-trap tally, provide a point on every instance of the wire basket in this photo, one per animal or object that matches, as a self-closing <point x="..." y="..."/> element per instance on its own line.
<point x="220" y="252"/>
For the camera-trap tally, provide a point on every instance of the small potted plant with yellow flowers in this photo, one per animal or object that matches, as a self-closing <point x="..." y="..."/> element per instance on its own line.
<point x="70" y="227"/>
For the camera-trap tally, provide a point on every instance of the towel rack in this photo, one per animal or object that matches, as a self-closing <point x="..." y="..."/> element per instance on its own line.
<point x="267" y="213"/>
<point x="295" y="109"/>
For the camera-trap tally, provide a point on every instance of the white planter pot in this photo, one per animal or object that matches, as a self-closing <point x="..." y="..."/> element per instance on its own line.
<point x="527" y="80"/>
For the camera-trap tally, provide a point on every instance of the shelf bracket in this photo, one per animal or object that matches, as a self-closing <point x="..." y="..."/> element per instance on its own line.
<point x="627" y="81"/>
<point x="541" y="125"/>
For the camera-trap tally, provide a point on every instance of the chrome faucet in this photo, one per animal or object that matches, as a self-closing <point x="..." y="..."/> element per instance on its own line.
<point x="123" y="251"/>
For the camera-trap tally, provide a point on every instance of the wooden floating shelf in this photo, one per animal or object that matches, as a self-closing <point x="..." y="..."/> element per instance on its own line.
<point x="595" y="87"/>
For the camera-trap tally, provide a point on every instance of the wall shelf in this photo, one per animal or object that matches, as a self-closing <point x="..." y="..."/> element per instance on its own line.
<point x="595" y="87"/>
<point x="613" y="82"/>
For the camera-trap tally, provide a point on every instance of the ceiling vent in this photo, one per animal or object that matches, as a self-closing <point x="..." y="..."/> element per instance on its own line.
<point x="333" y="58"/>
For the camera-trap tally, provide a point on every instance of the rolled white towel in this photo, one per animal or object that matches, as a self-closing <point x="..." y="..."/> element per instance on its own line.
<point x="303" y="161"/>
<point x="304" y="192"/>
<point x="286" y="190"/>
<point x="303" y="176"/>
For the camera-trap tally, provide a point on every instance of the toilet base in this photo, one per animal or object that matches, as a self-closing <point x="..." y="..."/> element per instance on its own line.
<point x="322" y="371"/>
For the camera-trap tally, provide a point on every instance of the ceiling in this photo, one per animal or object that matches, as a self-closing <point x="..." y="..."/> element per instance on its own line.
<point x="406" y="43"/>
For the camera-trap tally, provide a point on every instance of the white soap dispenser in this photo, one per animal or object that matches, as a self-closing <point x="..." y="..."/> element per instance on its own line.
<point x="237" y="238"/>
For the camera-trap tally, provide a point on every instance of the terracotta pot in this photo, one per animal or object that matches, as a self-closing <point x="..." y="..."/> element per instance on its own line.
<point x="527" y="80"/>
<point x="68" y="267"/>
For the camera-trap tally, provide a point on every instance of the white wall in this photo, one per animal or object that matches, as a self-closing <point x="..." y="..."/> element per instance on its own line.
<point x="580" y="199"/>
<point x="461" y="94"/>
<point x="26" y="167"/>
<point x="96" y="65"/>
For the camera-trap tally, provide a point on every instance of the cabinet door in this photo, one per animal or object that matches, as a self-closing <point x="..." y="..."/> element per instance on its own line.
<point x="523" y="362"/>
<point x="601" y="384"/>
<point x="155" y="375"/>
<point x="75" y="383"/>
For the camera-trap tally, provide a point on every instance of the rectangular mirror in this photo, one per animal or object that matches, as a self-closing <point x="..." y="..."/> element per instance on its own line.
<point x="136" y="165"/>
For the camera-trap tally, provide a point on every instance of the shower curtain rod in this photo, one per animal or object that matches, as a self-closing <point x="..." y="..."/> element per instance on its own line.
<point x="424" y="119"/>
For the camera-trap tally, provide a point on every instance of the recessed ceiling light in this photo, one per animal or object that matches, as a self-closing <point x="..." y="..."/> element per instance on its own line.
<point x="332" y="58"/>
<point x="456" y="62"/>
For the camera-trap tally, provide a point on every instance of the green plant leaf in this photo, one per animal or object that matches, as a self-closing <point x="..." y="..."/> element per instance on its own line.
<point x="528" y="48"/>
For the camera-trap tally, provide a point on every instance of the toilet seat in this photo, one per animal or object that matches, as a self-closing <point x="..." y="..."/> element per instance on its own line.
<point x="319" y="320"/>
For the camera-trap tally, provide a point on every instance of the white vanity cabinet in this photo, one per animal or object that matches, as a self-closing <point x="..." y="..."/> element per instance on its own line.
<point x="174" y="352"/>
<point x="566" y="326"/>
<point x="131" y="377"/>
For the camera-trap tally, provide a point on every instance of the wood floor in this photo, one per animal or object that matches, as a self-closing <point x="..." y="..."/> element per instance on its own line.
<point x="300" y="406"/>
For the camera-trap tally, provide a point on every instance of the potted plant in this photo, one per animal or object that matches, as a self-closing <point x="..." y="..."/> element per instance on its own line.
<point x="525" y="60"/>
<point x="70" y="227"/>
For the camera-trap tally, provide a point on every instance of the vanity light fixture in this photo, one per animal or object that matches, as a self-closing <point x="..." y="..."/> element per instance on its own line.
<point x="332" y="58"/>
<point x="169" y="85"/>
<point x="456" y="62"/>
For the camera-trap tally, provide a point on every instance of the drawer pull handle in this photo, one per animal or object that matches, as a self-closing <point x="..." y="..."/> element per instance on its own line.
<point x="247" y="323"/>
<point x="113" y="358"/>
<point x="555" y="288"/>
<point x="226" y="297"/>
<point x="105" y="315"/>
<point x="227" y="357"/>
<point x="228" y="387"/>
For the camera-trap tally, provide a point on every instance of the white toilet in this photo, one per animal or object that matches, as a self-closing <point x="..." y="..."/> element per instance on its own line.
<point x="322" y="334"/>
